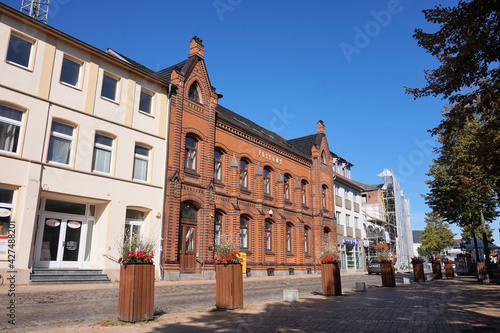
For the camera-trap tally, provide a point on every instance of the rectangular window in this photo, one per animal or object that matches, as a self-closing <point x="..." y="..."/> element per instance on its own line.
<point x="70" y="72"/>
<point x="61" y="142"/>
<point x="336" y="189"/>
<point x="347" y="221"/>
<point x="10" y="127"/>
<point x="289" y="238"/>
<point x="338" y="217"/>
<point x="243" y="233"/>
<point x="109" y="87"/>
<point x="19" y="51"/>
<point x="306" y="237"/>
<point x="145" y="102"/>
<point x="141" y="163"/>
<point x="268" y="236"/>
<point x="103" y="150"/>
<point x="356" y="223"/>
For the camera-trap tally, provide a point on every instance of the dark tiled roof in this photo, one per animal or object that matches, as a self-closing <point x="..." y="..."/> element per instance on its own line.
<point x="306" y="143"/>
<point x="181" y="67"/>
<point x="369" y="187"/>
<point x="254" y="129"/>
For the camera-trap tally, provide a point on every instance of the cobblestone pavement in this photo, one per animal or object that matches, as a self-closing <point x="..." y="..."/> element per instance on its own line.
<point x="454" y="305"/>
<point x="46" y="307"/>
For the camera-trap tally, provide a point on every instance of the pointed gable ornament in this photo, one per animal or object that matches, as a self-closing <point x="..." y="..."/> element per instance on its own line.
<point x="259" y="171"/>
<point x="280" y="179"/>
<point x="234" y="164"/>
<point x="297" y="184"/>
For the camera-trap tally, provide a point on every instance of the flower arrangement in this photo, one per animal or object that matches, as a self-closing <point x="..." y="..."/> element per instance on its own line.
<point x="447" y="260"/>
<point x="383" y="253"/>
<point x="434" y="260"/>
<point x="226" y="250"/>
<point x="416" y="260"/>
<point x="329" y="254"/>
<point x="135" y="251"/>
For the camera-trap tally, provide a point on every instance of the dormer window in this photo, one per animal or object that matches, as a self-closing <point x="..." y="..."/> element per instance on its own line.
<point x="194" y="93"/>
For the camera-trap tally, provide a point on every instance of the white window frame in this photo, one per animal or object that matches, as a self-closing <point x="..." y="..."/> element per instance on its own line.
<point x="63" y="136"/>
<point x="13" y="122"/>
<point x="117" y="87"/>
<point x="104" y="147"/>
<point x="32" y="51"/>
<point x="78" y="84"/>
<point x="142" y="158"/>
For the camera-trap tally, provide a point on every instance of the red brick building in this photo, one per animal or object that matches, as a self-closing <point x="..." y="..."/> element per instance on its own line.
<point x="226" y="174"/>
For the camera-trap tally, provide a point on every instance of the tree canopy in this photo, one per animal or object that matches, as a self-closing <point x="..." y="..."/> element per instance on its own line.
<point x="467" y="45"/>
<point x="436" y="236"/>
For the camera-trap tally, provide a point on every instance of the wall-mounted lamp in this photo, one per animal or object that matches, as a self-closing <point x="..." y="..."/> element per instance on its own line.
<point x="270" y="212"/>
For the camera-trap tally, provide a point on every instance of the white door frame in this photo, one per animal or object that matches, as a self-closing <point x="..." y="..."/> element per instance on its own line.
<point x="64" y="219"/>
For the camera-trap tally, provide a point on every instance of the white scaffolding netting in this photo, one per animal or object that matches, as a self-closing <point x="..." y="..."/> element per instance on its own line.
<point x="400" y="211"/>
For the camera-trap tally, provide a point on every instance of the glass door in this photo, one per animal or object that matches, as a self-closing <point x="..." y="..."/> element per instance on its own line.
<point x="59" y="243"/>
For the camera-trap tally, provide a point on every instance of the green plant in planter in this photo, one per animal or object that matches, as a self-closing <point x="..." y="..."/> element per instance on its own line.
<point x="226" y="251"/>
<point x="329" y="254"/>
<point x="136" y="250"/>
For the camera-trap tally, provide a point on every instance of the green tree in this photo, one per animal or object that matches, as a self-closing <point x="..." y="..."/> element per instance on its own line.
<point x="437" y="236"/>
<point x="467" y="45"/>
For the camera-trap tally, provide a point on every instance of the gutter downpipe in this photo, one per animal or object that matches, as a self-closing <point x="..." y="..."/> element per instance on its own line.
<point x="169" y="103"/>
<point x="312" y="212"/>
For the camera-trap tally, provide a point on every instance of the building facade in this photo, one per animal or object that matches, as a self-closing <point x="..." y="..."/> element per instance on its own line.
<point x="82" y="151"/>
<point x="350" y="231"/>
<point x="228" y="176"/>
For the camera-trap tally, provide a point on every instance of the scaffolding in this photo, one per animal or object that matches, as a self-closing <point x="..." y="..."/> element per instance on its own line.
<point x="397" y="210"/>
<point x="38" y="9"/>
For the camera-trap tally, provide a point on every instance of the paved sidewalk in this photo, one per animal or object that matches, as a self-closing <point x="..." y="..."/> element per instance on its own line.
<point x="454" y="305"/>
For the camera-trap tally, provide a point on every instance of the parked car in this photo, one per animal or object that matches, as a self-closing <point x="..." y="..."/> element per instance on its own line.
<point x="373" y="266"/>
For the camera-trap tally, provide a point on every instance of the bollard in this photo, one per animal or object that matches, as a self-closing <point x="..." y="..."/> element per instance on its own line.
<point x="290" y="295"/>
<point x="360" y="286"/>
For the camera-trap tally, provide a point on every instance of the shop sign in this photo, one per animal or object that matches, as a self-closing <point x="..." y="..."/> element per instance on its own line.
<point x="74" y="224"/>
<point x="352" y="242"/>
<point x="4" y="212"/>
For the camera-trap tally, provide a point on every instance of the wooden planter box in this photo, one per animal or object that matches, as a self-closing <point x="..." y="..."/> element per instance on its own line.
<point x="436" y="271"/>
<point x="448" y="268"/>
<point x="418" y="272"/>
<point x="330" y="278"/>
<point x="136" y="294"/>
<point x="228" y="286"/>
<point x="388" y="274"/>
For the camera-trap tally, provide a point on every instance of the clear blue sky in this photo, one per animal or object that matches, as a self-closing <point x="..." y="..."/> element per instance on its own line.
<point x="287" y="64"/>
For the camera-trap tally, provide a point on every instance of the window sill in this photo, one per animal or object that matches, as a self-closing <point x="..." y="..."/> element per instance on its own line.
<point x="268" y="197"/>
<point x="305" y="207"/>
<point x="245" y="190"/>
<point x="192" y="173"/>
<point x="290" y="254"/>
<point x="270" y="253"/>
<point x="288" y="202"/>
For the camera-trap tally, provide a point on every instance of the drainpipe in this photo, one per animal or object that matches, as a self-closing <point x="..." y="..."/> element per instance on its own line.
<point x="169" y="103"/>
<point x="312" y="212"/>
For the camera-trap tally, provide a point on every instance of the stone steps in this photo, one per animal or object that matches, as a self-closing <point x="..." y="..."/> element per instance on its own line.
<point x="41" y="276"/>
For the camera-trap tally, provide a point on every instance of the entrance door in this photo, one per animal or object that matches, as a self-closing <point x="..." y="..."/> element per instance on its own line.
<point x="187" y="250"/>
<point x="60" y="241"/>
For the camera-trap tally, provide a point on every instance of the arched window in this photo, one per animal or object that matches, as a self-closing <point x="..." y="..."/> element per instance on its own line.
<point x="243" y="232"/>
<point x="303" y="185"/>
<point x="188" y="211"/>
<point x="269" y="235"/>
<point x="190" y="154"/>
<point x="267" y="181"/>
<point x="194" y="92"/>
<point x="217" y="165"/>
<point x="286" y="182"/>
<point x="289" y="237"/>
<point x="217" y="227"/>
<point x="306" y="239"/>
<point x="323" y="196"/>
<point x="243" y="174"/>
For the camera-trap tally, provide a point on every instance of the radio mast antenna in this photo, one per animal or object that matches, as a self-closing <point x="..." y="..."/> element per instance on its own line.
<point x="38" y="9"/>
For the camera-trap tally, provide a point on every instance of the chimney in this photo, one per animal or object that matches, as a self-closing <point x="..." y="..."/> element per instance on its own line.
<point x="196" y="47"/>
<point x="321" y="127"/>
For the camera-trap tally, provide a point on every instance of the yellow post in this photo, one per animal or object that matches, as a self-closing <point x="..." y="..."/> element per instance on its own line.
<point x="243" y="261"/>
